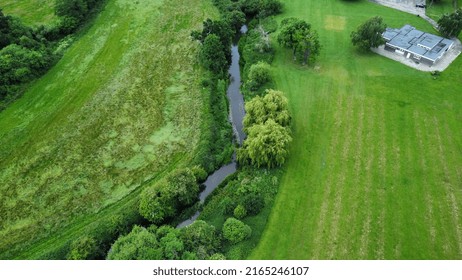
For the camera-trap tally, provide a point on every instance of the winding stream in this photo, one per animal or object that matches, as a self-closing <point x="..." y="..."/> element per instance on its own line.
<point x="236" y="117"/>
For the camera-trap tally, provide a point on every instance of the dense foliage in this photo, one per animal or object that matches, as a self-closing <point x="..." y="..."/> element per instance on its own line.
<point x="273" y="105"/>
<point x="197" y="241"/>
<point x="297" y="35"/>
<point x="259" y="74"/>
<point x="450" y="25"/>
<point x="236" y="231"/>
<point x="166" y="198"/>
<point x="369" y="34"/>
<point x="27" y="53"/>
<point x="266" y="122"/>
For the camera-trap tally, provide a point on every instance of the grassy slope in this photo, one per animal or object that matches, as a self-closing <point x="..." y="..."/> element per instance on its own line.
<point x="30" y="11"/>
<point x="121" y="106"/>
<point x="436" y="10"/>
<point x="375" y="169"/>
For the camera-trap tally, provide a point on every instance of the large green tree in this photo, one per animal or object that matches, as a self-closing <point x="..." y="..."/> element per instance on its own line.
<point x="450" y="25"/>
<point x="162" y="201"/>
<point x="235" y="231"/>
<point x="139" y="244"/>
<point x="266" y="145"/>
<point x="273" y="105"/>
<point x="297" y="35"/>
<point x="369" y="34"/>
<point x="212" y="55"/>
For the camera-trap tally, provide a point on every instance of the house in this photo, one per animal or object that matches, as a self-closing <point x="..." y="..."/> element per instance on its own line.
<point x="414" y="44"/>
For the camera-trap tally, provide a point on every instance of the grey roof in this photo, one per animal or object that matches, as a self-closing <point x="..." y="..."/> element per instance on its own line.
<point x="427" y="45"/>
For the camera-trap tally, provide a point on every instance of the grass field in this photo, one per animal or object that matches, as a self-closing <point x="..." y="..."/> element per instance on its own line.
<point x="375" y="170"/>
<point x="123" y="105"/>
<point x="436" y="10"/>
<point x="30" y="11"/>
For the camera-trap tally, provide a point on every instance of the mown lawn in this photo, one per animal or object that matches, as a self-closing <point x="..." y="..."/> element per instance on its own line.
<point x="375" y="170"/>
<point x="123" y="105"/>
<point x="33" y="12"/>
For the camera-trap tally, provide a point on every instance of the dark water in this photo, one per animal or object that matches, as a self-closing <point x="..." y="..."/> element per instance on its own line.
<point x="236" y="100"/>
<point x="236" y="116"/>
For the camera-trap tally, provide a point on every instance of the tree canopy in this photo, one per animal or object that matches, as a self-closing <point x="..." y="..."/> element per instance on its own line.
<point x="235" y="231"/>
<point x="450" y="25"/>
<point x="167" y="197"/>
<point x="297" y="35"/>
<point x="369" y="34"/>
<point x="273" y="105"/>
<point x="266" y="145"/>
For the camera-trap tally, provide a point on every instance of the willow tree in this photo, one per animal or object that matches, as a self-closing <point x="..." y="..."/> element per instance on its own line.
<point x="266" y="145"/>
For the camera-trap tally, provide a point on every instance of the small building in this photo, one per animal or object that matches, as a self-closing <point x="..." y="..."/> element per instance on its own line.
<point x="414" y="44"/>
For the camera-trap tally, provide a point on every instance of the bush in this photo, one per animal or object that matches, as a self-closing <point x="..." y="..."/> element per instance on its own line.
<point x="235" y="231"/>
<point x="240" y="212"/>
<point x="228" y="205"/>
<point x="259" y="74"/>
<point x="199" y="173"/>
<point x="200" y="238"/>
<point x="253" y="203"/>
<point x="84" y="248"/>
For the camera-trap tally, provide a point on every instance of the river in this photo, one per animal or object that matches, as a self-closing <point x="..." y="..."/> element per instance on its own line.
<point x="236" y="117"/>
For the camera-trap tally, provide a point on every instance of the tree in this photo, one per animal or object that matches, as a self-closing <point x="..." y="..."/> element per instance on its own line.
<point x="139" y="244"/>
<point x="182" y="183"/>
<point x="168" y="196"/>
<point x="83" y="248"/>
<point x="236" y="19"/>
<point x="201" y="238"/>
<point x="212" y="56"/>
<point x="273" y="105"/>
<point x="298" y="36"/>
<point x="369" y="34"/>
<point x="259" y="74"/>
<point x="235" y="231"/>
<point x="172" y="246"/>
<point x="157" y="203"/>
<point x="266" y="145"/>
<point x="450" y="25"/>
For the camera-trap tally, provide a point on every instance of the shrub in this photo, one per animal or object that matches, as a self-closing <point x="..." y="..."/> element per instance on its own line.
<point x="259" y="74"/>
<point x="200" y="238"/>
<point x="240" y="212"/>
<point x="253" y="203"/>
<point x="235" y="231"/>
<point x="83" y="248"/>
<point x="199" y="173"/>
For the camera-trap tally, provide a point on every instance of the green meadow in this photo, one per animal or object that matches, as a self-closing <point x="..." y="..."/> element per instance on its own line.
<point x="122" y="107"/>
<point x="30" y="11"/>
<point x="375" y="169"/>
